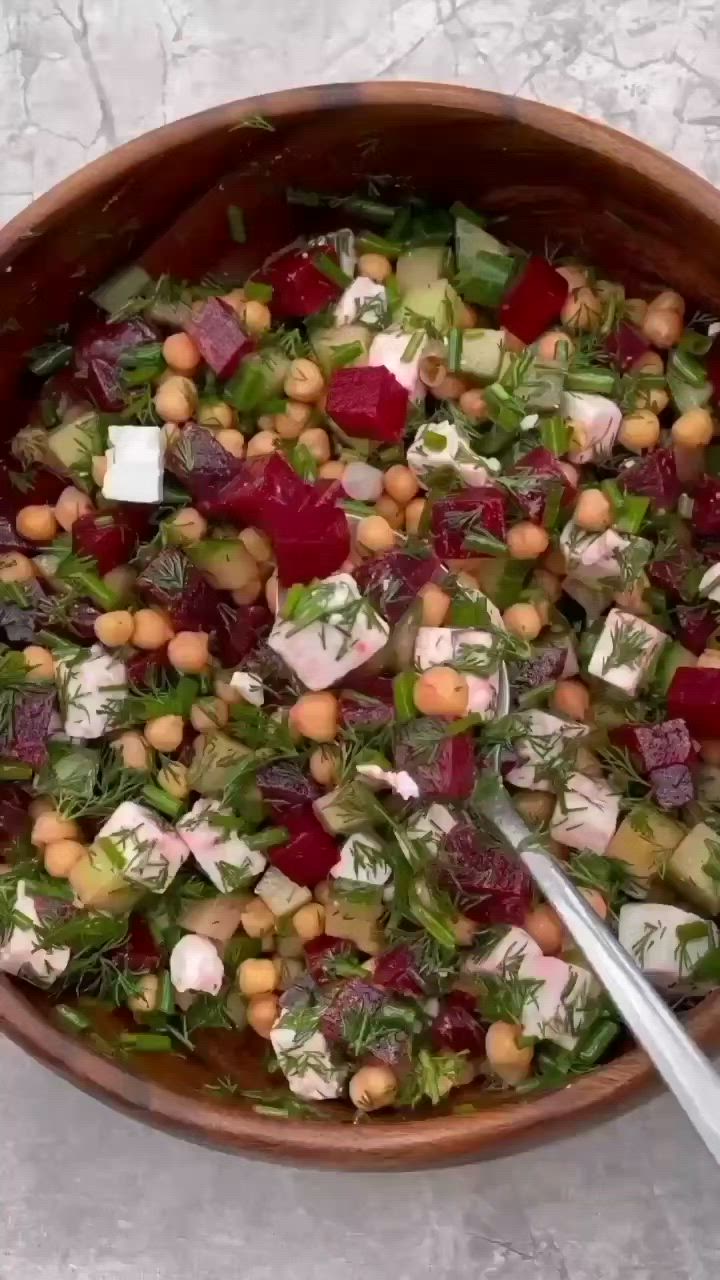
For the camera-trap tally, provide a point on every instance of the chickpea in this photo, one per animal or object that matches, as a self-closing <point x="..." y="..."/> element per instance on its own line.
<point x="639" y="430"/>
<point x="414" y="512"/>
<point x="218" y="415"/>
<point x="669" y="300"/>
<point x="256" y="977"/>
<point x="134" y="750"/>
<point x="582" y="311"/>
<point x="390" y="510"/>
<point x="464" y="930"/>
<point x="317" y="441"/>
<point x="662" y="326"/>
<point x="523" y="620"/>
<point x="186" y="526"/>
<point x="593" y="511"/>
<point x="115" y="628"/>
<point x="70" y="506"/>
<point x="51" y="827"/>
<point x="401" y="484"/>
<point x="432" y="370"/>
<point x="536" y="807"/>
<point x="709" y="658"/>
<point x="98" y="469"/>
<point x="260" y="445"/>
<point x="304" y="381"/>
<point x="60" y="856"/>
<point x="208" y="714"/>
<point x="165" y="734"/>
<point x="41" y="804"/>
<point x="435" y="605"/>
<point x="376" y="266"/>
<point x="322" y="892"/>
<point x="548" y="583"/>
<point x="121" y="580"/>
<point x="272" y="593"/>
<point x="555" y="345"/>
<point x="249" y="593"/>
<point x="188" y="651"/>
<point x="571" y="698"/>
<point x="36" y="523"/>
<point x="257" y="544"/>
<point x="309" y="921"/>
<point x="324" y="766"/>
<point x="710" y="750"/>
<point x="451" y="387"/>
<point x="333" y="470"/>
<point x="235" y="299"/>
<point x="176" y="399"/>
<point x="257" y="317"/>
<point x="151" y="629"/>
<point x="689" y="465"/>
<point x="173" y="778"/>
<point x="554" y="562"/>
<point x="441" y="691"/>
<point x="147" y="994"/>
<point x="257" y="920"/>
<point x="39" y="662"/>
<point x="473" y="405"/>
<point x="595" y="899"/>
<point x="290" y="428"/>
<point x="527" y="541"/>
<point x="545" y="926"/>
<point x="576" y="276"/>
<point x="373" y="1087"/>
<point x="509" y="1060"/>
<point x="693" y="429"/>
<point x="375" y="534"/>
<point x="15" y="567"/>
<point x="298" y="414"/>
<point x="181" y="354"/>
<point x="315" y="716"/>
<point x="635" y="311"/>
<point x="262" y="1014"/>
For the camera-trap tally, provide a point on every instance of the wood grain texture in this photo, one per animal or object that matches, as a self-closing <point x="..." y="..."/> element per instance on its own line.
<point x="554" y="178"/>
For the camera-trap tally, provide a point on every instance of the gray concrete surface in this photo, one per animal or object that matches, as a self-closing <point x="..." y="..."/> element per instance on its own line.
<point x="85" y="1193"/>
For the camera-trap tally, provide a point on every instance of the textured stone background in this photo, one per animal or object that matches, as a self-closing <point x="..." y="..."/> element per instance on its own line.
<point x="85" y="1193"/>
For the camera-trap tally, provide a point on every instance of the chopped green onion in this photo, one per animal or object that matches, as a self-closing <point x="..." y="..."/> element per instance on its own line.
<point x="303" y="462"/>
<point x="246" y="388"/>
<point x="460" y="210"/>
<point x="370" y="210"/>
<point x="308" y="199"/>
<point x="593" y="381"/>
<point x="11" y="772"/>
<point x="400" y="225"/>
<point x="147" y="354"/>
<point x="631" y="514"/>
<point x="693" y="932"/>
<point x="329" y="268"/>
<point x="236" y="222"/>
<point x="455" y="345"/>
<point x="435" y="441"/>
<point x="49" y="357"/>
<point x="403" y="695"/>
<point x="162" y="800"/>
<point x="687" y="367"/>
<point x="368" y="242"/>
<point x="555" y="436"/>
<point x="698" y="344"/>
<point x="553" y="503"/>
<point x="413" y="346"/>
<point x="92" y="585"/>
<point x="268" y="838"/>
<point x="356" y="508"/>
<point x="166" y="995"/>
<point x="239" y="949"/>
<point x="257" y="291"/>
<point x="73" y="1019"/>
<point x="431" y="226"/>
<point x="345" y="354"/>
<point x="145" y="1042"/>
<point x="487" y="281"/>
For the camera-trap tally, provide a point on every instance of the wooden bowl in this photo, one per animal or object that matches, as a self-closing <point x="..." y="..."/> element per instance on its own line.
<point x="556" y="179"/>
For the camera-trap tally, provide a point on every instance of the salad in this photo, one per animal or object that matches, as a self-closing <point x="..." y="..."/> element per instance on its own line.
<point x="294" y="568"/>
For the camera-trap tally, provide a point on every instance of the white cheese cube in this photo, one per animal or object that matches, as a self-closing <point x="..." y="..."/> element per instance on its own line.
<point x="586" y="814"/>
<point x="89" y="691"/>
<point x="388" y="348"/>
<point x="226" y="859"/>
<point x="560" y="1000"/>
<point x="307" y="1063"/>
<point x="430" y="825"/>
<point x="250" y="687"/>
<point x="361" y="860"/>
<point x="595" y="421"/>
<point x="593" y="557"/>
<point x="540" y="748"/>
<point x="20" y="952"/>
<point x="146" y="852"/>
<point x="347" y="635"/>
<point x="625" y="650"/>
<point x="442" y="446"/>
<point x="503" y="954"/>
<point x="280" y="893"/>
<point x="363" y="301"/>
<point x="195" y="965"/>
<point x="135" y="464"/>
<point x="400" y="781"/>
<point x="594" y="600"/>
<point x="649" y="931"/>
<point x="710" y="583"/>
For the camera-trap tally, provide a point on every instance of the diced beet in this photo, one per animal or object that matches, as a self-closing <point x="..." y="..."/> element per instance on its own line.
<point x="60" y="394"/>
<point x="172" y="582"/>
<point x="320" y="951"/>
<point x="139" y="952"/>
<point x="672" y="786"/>
<point x="694" y="696"/>
<point x="79" y="620"/>
<point x="15" y="821"/>
<point x="456" y="1029"/>
<point x="238" y="629"/>
<point x="257" y="489"/>
<point x="391" y="582"/>
<point x="370" y="684"/>
<point x="695" y="627"/>
<point x="368" y="402"/>
<point x="21" y="488"/>
<point x="542" y="466"/>
<point x="363" y="714"/>
<point x="494" y="886"/>
<point x="654" y="477"/>
<point x="671" y="573"/>
<point x="145" y="666"/>
<point x="351" y="1000"/>
<point x="443" y="770"/>
<point x="656" y="746"/>
<point x="219" y="337"/>
<point x="11" y="540"/>
<point x="313" y="541"/>
<point x="138" y="516"/>
<point x="106" y="538"/>
<point x="97" y="355"/>
<point x="456" y="518"/>
<point x="19" y="624"/>
<point x="626" y="345"/>
<point x="534" y="301"/>
<point x="396" y="970"/>
<point x="543" y="667"/>
<point x="283" y="785"/>
<point x="309" y="852"/>
<point x="199" y="462"/>
<point x="31" y="716"/>
<point x="299" y="286"/>
<point x="706" y="508"/>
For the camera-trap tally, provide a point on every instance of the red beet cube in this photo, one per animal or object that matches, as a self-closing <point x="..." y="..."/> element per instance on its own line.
<point x="321" y="951"/>
<point x="200" y="464"/>
<point x="443" y="770"/>
<point x="363" y="714"/>
<point x="299" y="286"/>
<point x="30" y="728"/>
<point x="672" y="786"/>
<point x="541" y="466"/>
<point x="311" y="540"/>
<point x="219" y="337"/>
<point x="10" y="539"/>
<point x="60" y="393"/>
<point x="456" y="1028"/>
<point x="35" y="485"/>
<point x="368" y="402"/>
<point x="542" y="668"/>
<point x="460" y="518"/>
<point x="672" y="573"/>
<point x="656" y="746"/>
<point x="309" y="853"/>
<point x="139" y="952"/>
<point x="391" y="582"/>
<point x="494" y="887"/>
<point x="283" y="785"/>
<point x="79" y="620"/>
<point x="695" y="627"/>
<point x="706" y="508"/>
<point x="172" y="582"/>
<point x="238" y="629"/>
<point x="396" y="970"/>
<point x="15" y="821"/>
<point x="106" y="538"/>
<point x="654" y="477"/>
<point x="534" y="301"/>
<point x="145" y="666"/>
<point x="694" y="696"/>
<point x="354" y="999"/>
<point x="626" y="345"/>
<point x="97" y="357"/>
<point x="258" y="488"/>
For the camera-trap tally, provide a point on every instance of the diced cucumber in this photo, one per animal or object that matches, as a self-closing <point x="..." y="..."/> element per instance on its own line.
<point x="501" y="578"/>
<point x="673" y="656"/>
<point x="344" y="810"/>
<point x="644" y="840"/>
<point x="420" y="267"/>
<point x="694" y="868"/>
<point x="325" y="343"/>
<point x="544" y="387"/>
<point x="274" y="365"/>
<point x="129" y="283"/>
<point x="99" y="882"/>
<point x="481" y="353"/>
<point x="216" y="756"/>
<point x="437" y="303"/>
<point x="470" y="239"/>
<point x="224" y="561"/>
<point x="71" y="447"/>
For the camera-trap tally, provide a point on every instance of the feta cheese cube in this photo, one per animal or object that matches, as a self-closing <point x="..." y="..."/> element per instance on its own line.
<point x="363" y="300"/>
<point x="430" y="825"/>
<point x="595" y="421"/>
<point x="442" y="446"/>
<point x="649" y="931"/>
<point x="710" y="583"/>
<point x="196" y="965"/>
<point x="306" y="1062"/>
<point x="586" y="814"/>
<point x="140" y="847"/>
<point x="135" y="464"/>
<point x="626" y="648"/>
<point x="89" y="691"/>
<point x="400" y="781"/>
<point x="226" y="859"/>
<point x="540" y="747"/>
<point x="388" y="348"/>
<point x="20" y="952"/>
<point x="251" y="687"/>
<point x="360" y="860"/>
<point x="280" y="893"/>
<point x="593" y="558"/>
<point x="558" y="1003"/>
<point x="349" y="632"/>
<point x="502" y="954"/>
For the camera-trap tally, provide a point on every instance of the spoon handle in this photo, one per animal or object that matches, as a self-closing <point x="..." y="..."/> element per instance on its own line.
<point x="684" y="1068"/>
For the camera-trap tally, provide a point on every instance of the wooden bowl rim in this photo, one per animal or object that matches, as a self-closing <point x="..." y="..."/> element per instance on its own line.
<point x="380" y="1143"/>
